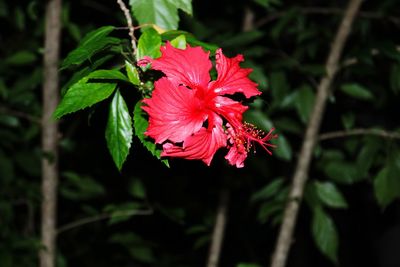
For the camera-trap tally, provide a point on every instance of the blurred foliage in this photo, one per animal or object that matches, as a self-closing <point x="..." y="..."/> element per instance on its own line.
<point x="151" y="215"/>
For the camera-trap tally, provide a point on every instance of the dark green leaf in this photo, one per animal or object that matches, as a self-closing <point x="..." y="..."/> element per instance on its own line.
<point x="387" y="182"/>
<point x="78" y="75"/>
<point x="6" y="167"/>
<point x="140" y="123"/>
<point x="284" y="149"/>
<point x="395" y="78"/>
<point x="149" y="44"/>
<point x="356" y="91"/>
<point x="348" y="120"/>
<point x="123" y="212"/>
<point x="279" y="86"/>
<point x="132" y="72"/>
<point x="342" y="172"/>
<point x="305" y="102"/>
<point x="269" y="209"/>
<point x="329" y="194"/>
<point x="82" y="95"/>
<point x="258" y="75"/>
<point x="119" y="130"/>
<point x="242" y="39"/>
<point x="325" y="234"/>
<point x="142" y="253"/>
<point x="137" y="189"/>
<point x="367" y="155"/>
<point x="21" y="58"/>
<point x="259" y="119"/>
<point x="79" y="187"/>
<point x="93" y="42"/>
<point x="108" y="75"/>
<point x="163" y="13"/>
<point x="268" y="191"/>
<point x="289" y="125"/>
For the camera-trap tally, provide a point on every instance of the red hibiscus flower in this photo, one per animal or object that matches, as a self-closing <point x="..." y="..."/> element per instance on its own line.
<point x="192" y="116"/>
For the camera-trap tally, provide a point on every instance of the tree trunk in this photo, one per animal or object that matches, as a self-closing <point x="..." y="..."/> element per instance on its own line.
<point x="50" y="133"/>
<point x="300" y="175"/>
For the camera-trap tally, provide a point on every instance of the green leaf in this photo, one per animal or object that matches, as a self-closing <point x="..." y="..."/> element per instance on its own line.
<point x="20" y="58"/>
<point x="179" y="42"/>
<point x="348" y="120"/>
<point x="140" y="123"/>
<point x="284" y="149"/>
<point x="342" y="172"/>
<point x="185" y="5"/>
<point x="83" y="72"/>
<point x="269" y="209"/>
<point x="108" y="75"/>
<point x="79" y="187"/>
<point x="367" y="155"/>
<point x="387" y="182"/>
<point x="119" y="130"/>
<point x="325" y="234"/>
<point x="137" y="189"/>
<point x="132" y="72"/>
<point x="190" y="39"/>
<point x="149" y="44"/>
<point x="123" y="212"/>
<point x="82" y="95"/>
<point x="305" y="102"/>
<point x="163" y="13"/>
<point x="259" y="119"/>
<point x="279" y="86"/>
<point x="356" y="91"/>
<point x="93" y="42"/>
<point x="268" y="191"/>
<point x="330" y="195"/>
<point x="395" y="78"/>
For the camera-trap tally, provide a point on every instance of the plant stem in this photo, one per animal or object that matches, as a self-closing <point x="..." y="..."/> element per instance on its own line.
<point x="360" y="131"/>
<point x="50" y="133"/>
<point x="128" y="18"/>
<point x="219" y="229"/>
<point x="284" y="241"/>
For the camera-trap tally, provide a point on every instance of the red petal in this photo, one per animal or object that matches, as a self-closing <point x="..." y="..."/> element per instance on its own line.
<point x="190" y="66"/>
<point x="202" y="145"/>
<point x="235" y="157"/>
<point x="174" y="112"/>
<point x="230" y="109"/>
<point x="232" y="78"/>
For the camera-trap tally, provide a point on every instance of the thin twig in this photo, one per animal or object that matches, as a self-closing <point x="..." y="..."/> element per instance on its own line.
<point x="360" y="131"/>
<point x="20" y="114"/>
<point x="219" y="230"/>
<point x="326" y="11"/>
<point x="128" y="18"/>
<point x="300" y="174"/>
<point x="100" y="217"/>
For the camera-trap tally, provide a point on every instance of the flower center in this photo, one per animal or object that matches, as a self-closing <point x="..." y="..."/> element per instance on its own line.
<point x="246" y="134"/>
